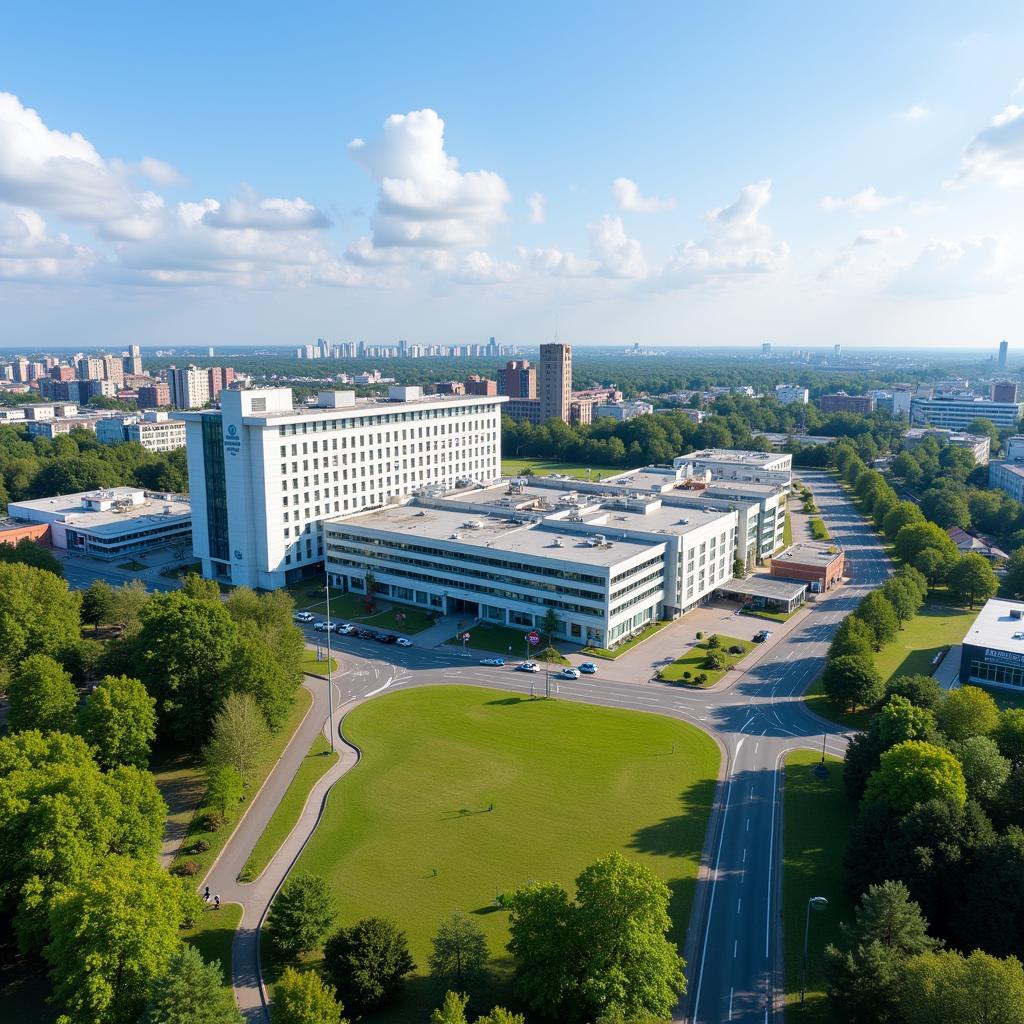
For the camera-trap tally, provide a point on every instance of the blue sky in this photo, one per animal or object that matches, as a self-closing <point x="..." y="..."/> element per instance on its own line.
<point x="663" y="173"/>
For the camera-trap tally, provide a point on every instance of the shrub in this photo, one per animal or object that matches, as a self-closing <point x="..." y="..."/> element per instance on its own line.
<point x="713" y="642"/>
<point x="701" y="678"/>
<point x="687" y="673"/>
<point x="200" y="846"/>
<point x="735" y="649"/>
<point x="212" y="821"/>
<point x="715" y="660"/>
<point x="186" y="867"/>
<point x="700" y="635"/>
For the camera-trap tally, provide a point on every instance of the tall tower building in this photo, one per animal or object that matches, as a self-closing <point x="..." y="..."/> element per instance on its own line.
<point x="837" y="350"/>
<point x="1002" y="354"/>
<point x="555" y="384"/>
<point x="766" y="348"/>
<point x="189" y="386"/>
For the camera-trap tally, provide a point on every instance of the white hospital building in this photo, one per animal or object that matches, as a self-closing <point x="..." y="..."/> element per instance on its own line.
<point x="268" y="474"/>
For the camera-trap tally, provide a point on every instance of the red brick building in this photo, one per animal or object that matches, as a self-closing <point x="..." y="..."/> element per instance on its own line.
<point x="820" y="566"/>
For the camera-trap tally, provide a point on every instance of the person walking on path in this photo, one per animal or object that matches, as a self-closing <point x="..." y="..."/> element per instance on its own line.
<point x="216" y="903"/>
<point x="206" y="895"/>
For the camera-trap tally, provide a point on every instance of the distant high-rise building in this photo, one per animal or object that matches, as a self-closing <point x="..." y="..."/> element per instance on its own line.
<point x="62" y="372"/>
<point x="154" y="396"/>
<point x="90" y="368"/>
<point x="492" y="348"/>
<point x="477" y="385"/>
<point x="518" y="379"/>
<point x="766" y="348"/>
<point x="113" y="369"/>
<point x="555" y="384"/>
<point x="837" y="350"/>
<point x="1004" y="391"/>
<point x="209" y="352"/>
<point x="842" y="402"/>
<point x="1003" y="347"/>
<point x="131" y="361"/>
<point x="190" y="387"/>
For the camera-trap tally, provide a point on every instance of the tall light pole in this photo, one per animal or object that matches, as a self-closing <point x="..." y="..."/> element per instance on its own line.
<point x="330" y="677"/>
<point x="818" y="903"/>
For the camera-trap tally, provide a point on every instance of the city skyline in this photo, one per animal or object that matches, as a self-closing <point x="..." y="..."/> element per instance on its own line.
<point x="678" y="178"/>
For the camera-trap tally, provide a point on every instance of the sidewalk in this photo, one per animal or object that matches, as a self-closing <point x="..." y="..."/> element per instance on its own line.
<point x="947" y="675"/>
<point x="436" y="635"/>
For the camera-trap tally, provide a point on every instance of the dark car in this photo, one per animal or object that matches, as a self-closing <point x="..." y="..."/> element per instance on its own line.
<point x="390" y="638"/>
<point x="381" y="638"/>
<point x="365" y="634"/>
<point x="759" y="638"/>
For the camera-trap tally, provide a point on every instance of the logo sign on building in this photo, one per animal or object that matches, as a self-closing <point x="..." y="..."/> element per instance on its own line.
<point x="232" y="442"/>
<point x="1006" y="657"/>
<point x="532" y="639"/>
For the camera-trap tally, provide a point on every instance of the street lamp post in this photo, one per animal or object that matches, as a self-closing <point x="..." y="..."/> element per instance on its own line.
<point x="330" y="677"/>
<point x="818" y="903"/>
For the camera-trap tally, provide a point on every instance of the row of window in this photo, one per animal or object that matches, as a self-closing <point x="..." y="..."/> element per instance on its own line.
<point x="347" y="422"/>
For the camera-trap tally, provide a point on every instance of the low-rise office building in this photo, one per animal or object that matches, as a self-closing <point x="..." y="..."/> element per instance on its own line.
<point x="1008" y="473"/>
<point x="623" y="411"/>
<point x="109" y="524"/>
<point x="979" y="447"/>
<point x="732" y="464"/>
<point x="792" y="394"/>
<point x="842" y="402"/>
<point x="818" y="565"/>
<point x="993" y="649"/>
<point x="154" y="430"/>
<point x="957" y="410"/>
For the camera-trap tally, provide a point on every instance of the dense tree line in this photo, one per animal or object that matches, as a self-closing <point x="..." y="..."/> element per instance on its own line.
<point x="38" y="467"/>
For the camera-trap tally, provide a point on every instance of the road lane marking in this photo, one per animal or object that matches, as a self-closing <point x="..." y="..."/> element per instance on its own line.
<point x="735" y="947"/>
<point x="738" y="902"/>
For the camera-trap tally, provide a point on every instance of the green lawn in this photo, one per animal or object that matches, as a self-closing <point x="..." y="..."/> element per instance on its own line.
<point x="934" y="627"/>
<point x="787" y="530"/>
<point x="818" y="529"/>
<point x="273" y="750"/>
<point x="615" y="652"/>
<point x="817" y="818"/>
<point x="348" y="607"/>
<point x="693" y="662"/>
<point x="409" y="833"/>
<point x="543" y="467"/>
<point x="317" y="668"/>
<point x="764" y="613"/>
<point x="214" y="933"/>
<point x="504" y="640"/>
<point x="287" y="812"/>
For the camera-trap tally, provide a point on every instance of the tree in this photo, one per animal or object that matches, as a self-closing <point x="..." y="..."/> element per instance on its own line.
<point x="194" y="586"/>
<point x="914" y="772"/>
<point x="452" y="1010"/>
<point x="613" y="943"/>
<point x="190" y="991"/>
<point x="852" y="681"/>
<point x="224" y="788"/>
<point x="119" y="720"/>
<point x="991" y="914"/>
<point x="921" y="690"/>
<point x="113" y="933"/>
<point x="968" y="711"/>
<point x="863" y="753"/>
<point x="972" y="579"/>
<point x="933" y="564"/>
<point x="239" y="736"/>
<point x="183" y="652"/>
<point x="946" y="506"/>
<point x="1009" y="734"/>
<point x="127" y="602"/>
<point x="1013" y="580"/>
<point x="915" y="537"/>
<point x="978" y="989"/>
<point x="38" y="614"/>
<point x="900" y="720"/>
<point x="904" y="513"/>
<point x="880" y="616"/>
<point x="904" y="597"/>
<point x="41" y="697"/>
<point x="367" y="962"/>
<point x="853" y="637"/>
<point x="913" y="578"/>
<point x="302" y="997"/>
<point x="739" y="568"/>
<point x="301" y="915"/>
<point x="97" y="603"/>
<point x="260" y="670"/>
<point x="460" y="951"/>
<point x="550" y="624"/>
<point x="985" y="769"/>
<point x="499" y="1015"/>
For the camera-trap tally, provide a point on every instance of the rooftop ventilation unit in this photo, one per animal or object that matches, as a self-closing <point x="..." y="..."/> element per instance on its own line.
<point x="1017" y="613"/>
<point x="1018" y="636"/>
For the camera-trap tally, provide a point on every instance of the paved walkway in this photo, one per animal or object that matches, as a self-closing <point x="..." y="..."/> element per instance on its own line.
<point x="948" y="673"/>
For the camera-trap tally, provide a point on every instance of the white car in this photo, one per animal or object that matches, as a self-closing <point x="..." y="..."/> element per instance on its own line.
<point x="528" y="666"/>
<point x="569" y="673"/>
<point x="323" y="627"/>
<point x="402" y="642"/>
<point x="304" y="616"/>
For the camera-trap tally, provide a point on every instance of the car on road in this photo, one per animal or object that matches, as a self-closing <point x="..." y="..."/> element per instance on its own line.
<point x="390" y="638"/>
<point x="759" y="638"/>
<point x="365" y="634"/>
<point x="323" y="627"/>
<point x="569" y="673"/>
<point x="403" y="642"/>
<point x="528" y="666"/>
<point x="343" y="628"/>
<point x="588" y="668"/>
<point x="304" y="616"/>
<point x="498" y="662"/>
<point x="381" y="638"/>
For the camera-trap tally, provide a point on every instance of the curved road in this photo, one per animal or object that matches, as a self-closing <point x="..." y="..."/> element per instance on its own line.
<point x="734" y="947"/>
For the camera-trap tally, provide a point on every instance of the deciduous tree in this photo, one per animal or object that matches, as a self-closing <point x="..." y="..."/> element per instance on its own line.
<point x="303" y="997"/>
<point x="968" y="711"/>
<point x="978" y="989"/>
<point x="972" y="579"/>
<point x="460" y="953"/>
<point x="367" y="962"/>
<point x="239" y="736"/>
<point x="119" y="720"/>
<point x="880" y="616"/>
<point x="852" y="681"/>
<point x="41" y="697"/>
<point x="38" y="614"/>
<point x="97" y="603"/>
<point x="301" y="915"/>
<point x="914" y="772"/>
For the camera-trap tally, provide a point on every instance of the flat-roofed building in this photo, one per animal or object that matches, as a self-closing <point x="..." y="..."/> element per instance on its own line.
<point x="978" y="446"/>
<point x="957" y="410"/>
<point x="734" y="464"/>
<point x="109" y="524"/>
<point x="993" y="649"/>
<point x="842" y="402"/>
<point x="623" y="411"/>
<point x="792" y="394"/>
<point x="154" y="430"/>
<point x="818" y="565"/>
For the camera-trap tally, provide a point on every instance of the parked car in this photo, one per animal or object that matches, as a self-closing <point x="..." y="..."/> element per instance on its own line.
<point x="498" y="662"/>
<point x="381" y="638"/>
<point x="588" y="668"/>
<point x="569" y="673"/>
<point x="403" y="642"/>
<point x="528" y="666"/>
<point x="759" y="638"/>
<point x="344" y="628"/>
<point x="304" y="616"/>
<point x="323" y="627"/>
<point x="391" y="638"/>
<point x="364" y="634"/>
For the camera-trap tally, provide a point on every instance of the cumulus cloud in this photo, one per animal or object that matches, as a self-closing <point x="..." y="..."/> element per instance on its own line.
<point x="880" y="236"/>
<point x="916" y="112"/>
<point x="870" y="261"/>
<point x="996" y="154"/>
<point x="478" y="267"/>
<point x="423" y="199"/>
<point x="29" y="252"/>
<point x="947" y="268"/>
<point x="537" y="204"/>
<point x="628" y="196"/>
<point x="249" y="210"/>
<point x="867" y="200"/>
<point x="159" y="171"/>
<point x="736" y="242"/>
<point x="558" y="262"/>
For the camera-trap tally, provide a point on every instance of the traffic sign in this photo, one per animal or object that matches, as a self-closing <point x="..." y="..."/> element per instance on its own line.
<point x="532" y="639"/>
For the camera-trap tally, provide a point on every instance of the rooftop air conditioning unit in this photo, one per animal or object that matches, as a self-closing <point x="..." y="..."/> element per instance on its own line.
<point x="1017" y="613"/>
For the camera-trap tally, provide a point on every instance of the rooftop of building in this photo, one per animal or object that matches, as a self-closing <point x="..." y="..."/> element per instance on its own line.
<point x="512" y="535"/>
<point x="111" y="511"/>
<point x="999" y="625"/>
<point x="947" y="432"/>
<point x="765" y="586"/>
<point x="733" y="455"/>
<point x="1017" y="468"/>
<point x="808" y="552"/>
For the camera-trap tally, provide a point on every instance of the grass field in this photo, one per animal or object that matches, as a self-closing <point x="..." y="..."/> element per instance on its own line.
<point x="615" y="652"/>
<point x="764" y="613"/>
<point x="309" y="596"/>
<point x="214" y="933"/>
<point x="819" y="531"/>
<point x="693" y="662"/>
<point x="317" y="668"/>
<point x="499" y="639"/>
<point x="543" y="467"/>
<point x="817" y="819"/>
<point x="936" y="626"/>
<point x="787" y="530"/>
<point x="409" y="833"/>
<point x="287" y="812"/>
<point x="278" y="741"/>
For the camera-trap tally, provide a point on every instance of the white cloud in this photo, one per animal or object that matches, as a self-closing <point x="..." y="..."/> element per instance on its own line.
<point x="423" y="200"/>
<point x="867" y="200"/>
<point x="736" y="242"/>
<point x="628" y="196"/>
<point x="558" y="262"/>
<point x="616" y="255"/>
<point x="159" y="171"/>
<point x="870" y="261"/>
<point x="880" y="236"/>
<point x="948" y="268"/>
<point x="916" y="112"/>
<point x="29" y="252"/>
<point x="537" y="204"/>
<point x="478" y="267"/>
<point x="249" y="210"/>
<point x="996" y="154"/>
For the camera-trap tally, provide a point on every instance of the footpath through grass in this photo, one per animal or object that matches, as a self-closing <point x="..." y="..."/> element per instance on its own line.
<point x="410" y="834"/>
<point x="610" y="654"/>
<point x="935" y="627"/>
<point x="287" y="812"/>
<point x="687" y="667"/>
<point x="197" y="834"/>
<point x="817" y="819"/>
<point x="545" y="467"/>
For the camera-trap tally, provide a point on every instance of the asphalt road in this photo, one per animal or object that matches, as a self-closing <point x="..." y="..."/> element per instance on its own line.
<point x="734" y="945"/>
